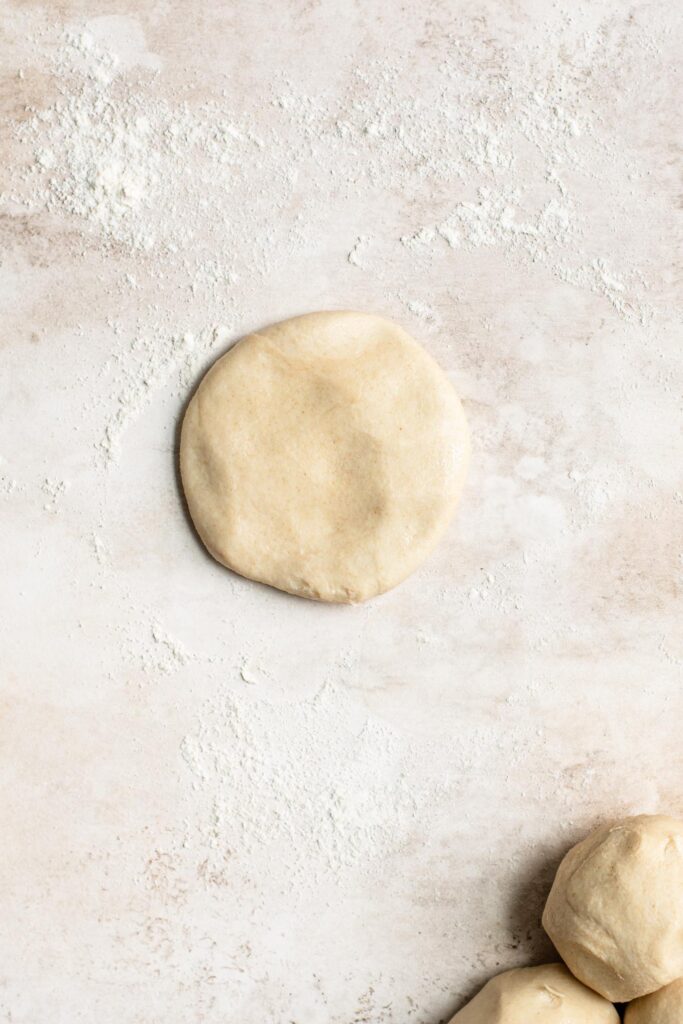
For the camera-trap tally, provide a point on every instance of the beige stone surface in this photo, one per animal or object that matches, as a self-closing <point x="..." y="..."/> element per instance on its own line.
<point x="223" y="804"/>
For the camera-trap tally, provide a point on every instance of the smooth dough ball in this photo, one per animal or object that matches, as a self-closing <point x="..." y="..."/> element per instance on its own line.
<point x="324" y="455"/>
<point x="662" y="1007"/>
<point x="615" y="911"/>
<point x="537" y="995"/>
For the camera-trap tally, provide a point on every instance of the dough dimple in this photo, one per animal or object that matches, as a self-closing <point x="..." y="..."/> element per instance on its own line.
<point x="324" y="455"/>
<point x="537" y="995"/>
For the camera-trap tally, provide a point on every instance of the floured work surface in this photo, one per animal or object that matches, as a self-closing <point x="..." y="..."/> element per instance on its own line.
<point x="220" y="803"/>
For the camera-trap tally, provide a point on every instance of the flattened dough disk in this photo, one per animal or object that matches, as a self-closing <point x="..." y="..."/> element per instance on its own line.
<point x="324" y="456"/>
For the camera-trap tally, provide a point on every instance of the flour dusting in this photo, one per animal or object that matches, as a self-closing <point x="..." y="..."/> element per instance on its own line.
<point x="329" y="788"/>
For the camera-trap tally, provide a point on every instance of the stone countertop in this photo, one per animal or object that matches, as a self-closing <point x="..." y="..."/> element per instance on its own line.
<point x="221" y="803"/>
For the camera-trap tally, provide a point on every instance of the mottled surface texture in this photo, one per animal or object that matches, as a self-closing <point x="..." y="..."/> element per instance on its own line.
<point x="219" y="803"/>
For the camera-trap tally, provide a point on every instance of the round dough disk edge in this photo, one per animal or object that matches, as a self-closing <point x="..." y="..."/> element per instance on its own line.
<point x="324" y="455"/>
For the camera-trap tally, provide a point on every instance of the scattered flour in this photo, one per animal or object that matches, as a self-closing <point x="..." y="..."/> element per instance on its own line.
<point x="252" y="672"/>
<point x="155" y="178"/>
<point x="100" y="549"/>
<point x="355" y="256"/>
<point x="331" y="789"/>
<point x="158" y="177"/>
<point x="8" y="484"/>
<point x="53" y="491"/>
<point x="420" y="309"/>
<point x="167" y="654"/>
<point x="151" y="361"/>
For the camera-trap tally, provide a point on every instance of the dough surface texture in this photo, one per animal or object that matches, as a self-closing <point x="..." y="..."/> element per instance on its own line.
<point x="615" y="910"/>
<point x="662" y="1007"/>
<point x="537" y="995"/>
<point x="324" y="456"/>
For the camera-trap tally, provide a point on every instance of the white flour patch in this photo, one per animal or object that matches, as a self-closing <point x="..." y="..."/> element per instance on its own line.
<point x="332" y="789"/>
<point x="53" y="491"/>
<point x="253" y="672"/>
<point x="356" y="255"/>
<point x="100" y="550"/>
<point x="421" y="310"/>
<point x="158" y="177"/>
<point x="167" y="654"/>
<point x="97" y="157"/>
<point x="8" y="484"/>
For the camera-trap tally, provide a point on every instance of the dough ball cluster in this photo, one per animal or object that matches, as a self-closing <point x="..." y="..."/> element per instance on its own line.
<point x="615" y="915"/>
<point x="324" y="455"/>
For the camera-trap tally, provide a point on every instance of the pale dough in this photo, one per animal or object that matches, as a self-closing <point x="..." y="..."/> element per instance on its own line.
<point x="663" y="1007"/>
<point x="537" y="995"/>
<point x="324" y="455"/>
<point x="615" y="911"/>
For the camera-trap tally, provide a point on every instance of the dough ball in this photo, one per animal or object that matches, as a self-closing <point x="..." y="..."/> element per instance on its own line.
<point x="662" y="1007"/>
<point x="615" y="911"/>
<point x="537" y="995"/>
<point x="324" y="455"/>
